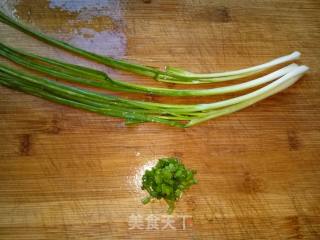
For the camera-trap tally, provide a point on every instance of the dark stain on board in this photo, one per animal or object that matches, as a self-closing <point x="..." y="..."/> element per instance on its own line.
<point x="293" y="140"/>
<point x="251" y="184"/>
<point x="292" y="226"/>
<point x="178" y="154"/>
<point x="25" y="145"/>
<point x="215" y="14"/>
<point x="54" y="127"/>
<point x="222" y="15"/>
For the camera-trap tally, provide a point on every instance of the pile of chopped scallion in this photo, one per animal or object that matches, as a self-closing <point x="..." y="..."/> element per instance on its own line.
<point x="167" y="180"/>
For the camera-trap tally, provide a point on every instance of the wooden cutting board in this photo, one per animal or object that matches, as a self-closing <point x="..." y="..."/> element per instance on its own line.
<point x="70" y="174"/>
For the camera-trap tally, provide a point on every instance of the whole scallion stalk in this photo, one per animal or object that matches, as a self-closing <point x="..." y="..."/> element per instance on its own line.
<point x="170" y="75"/>
<point x="133" y="110"/>
<point x="177" y="108"/>
<point x="88" y="76"/>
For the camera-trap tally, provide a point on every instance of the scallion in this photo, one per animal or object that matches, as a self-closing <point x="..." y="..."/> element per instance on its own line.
<point x="169" y="75"/>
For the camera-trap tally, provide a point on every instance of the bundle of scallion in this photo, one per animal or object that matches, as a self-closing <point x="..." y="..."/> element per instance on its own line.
<point x="88" y="76"/>
<point x="169" y="75"/>
<point x="134" y="111"/>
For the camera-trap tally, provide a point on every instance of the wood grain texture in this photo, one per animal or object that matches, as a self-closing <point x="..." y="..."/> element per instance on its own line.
<point x="69" y="174"/>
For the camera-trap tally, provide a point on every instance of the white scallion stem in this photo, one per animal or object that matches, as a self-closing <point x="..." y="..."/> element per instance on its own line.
<point x="229" y="75"/>
<point x="228" y="102"/>
<point x="278" y="86"/>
